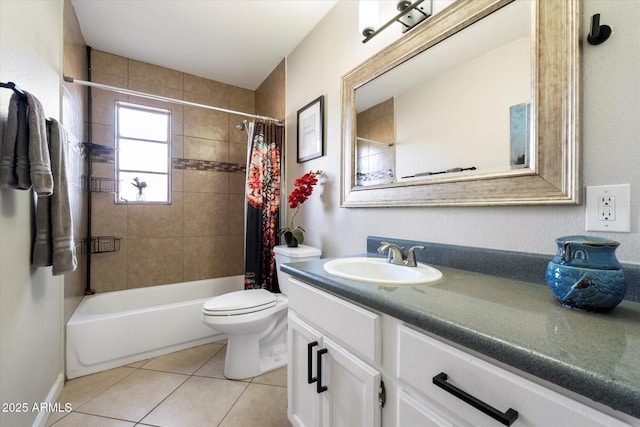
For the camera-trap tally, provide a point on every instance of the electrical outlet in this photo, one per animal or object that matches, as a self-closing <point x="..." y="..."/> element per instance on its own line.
<point x="608" y="208"/>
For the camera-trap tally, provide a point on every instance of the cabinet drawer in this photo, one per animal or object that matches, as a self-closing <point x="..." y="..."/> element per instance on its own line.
<point x="412" y="412"/>
<point x="421" y="358"/>
<point x="356" y="328"/>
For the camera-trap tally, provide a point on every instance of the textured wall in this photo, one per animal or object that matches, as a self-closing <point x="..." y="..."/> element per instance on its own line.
<point x="31" y="299"/>
<point x="610" y="135"/>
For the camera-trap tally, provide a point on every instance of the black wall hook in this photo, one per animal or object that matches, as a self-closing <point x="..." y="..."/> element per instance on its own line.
<point x="13" y="87"/>
<point x="599" y="33"/>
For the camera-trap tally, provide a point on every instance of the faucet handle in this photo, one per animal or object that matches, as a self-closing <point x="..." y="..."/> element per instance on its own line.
<point x="411" y="256"/>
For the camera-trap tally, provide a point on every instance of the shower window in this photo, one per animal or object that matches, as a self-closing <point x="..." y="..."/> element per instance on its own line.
<point x="143" y="155"/>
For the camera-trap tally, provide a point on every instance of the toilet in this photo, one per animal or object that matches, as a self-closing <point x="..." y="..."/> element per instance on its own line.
<point x="255" y="321"/>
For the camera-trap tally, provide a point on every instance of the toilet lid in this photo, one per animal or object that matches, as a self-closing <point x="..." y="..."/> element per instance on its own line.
<point x="240" y="302"/>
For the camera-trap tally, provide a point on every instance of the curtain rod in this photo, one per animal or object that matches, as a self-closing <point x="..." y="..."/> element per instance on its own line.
<point x="165" y="99"/>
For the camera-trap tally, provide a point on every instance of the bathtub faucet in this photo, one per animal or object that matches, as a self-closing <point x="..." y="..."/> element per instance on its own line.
<point x="396" y="255"/>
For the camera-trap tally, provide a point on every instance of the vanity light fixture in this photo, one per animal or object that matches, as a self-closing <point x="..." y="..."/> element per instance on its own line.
<point x="411" y="14"/>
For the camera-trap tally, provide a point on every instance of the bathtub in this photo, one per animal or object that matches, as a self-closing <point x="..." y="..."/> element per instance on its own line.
<point x="112" y="329"/>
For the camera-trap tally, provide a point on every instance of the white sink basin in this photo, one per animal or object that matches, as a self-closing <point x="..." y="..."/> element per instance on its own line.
<point x="379" y="271"/>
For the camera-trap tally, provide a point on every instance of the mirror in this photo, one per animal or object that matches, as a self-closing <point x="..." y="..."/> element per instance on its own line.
<point x="414" y="134"/>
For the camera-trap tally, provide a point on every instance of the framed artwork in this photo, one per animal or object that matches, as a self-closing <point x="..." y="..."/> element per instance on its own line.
<point x="311" y="130"/>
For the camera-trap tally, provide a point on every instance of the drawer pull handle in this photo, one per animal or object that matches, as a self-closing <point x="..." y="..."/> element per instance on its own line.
<point x="310" y="378"/>
<point x="506" y="418"/>
<point x="320" y="388"/>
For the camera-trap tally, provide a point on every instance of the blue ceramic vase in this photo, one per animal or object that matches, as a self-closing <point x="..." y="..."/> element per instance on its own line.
<point x="586" y="274"/>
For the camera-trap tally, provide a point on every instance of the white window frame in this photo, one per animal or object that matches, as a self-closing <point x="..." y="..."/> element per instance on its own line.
<point x="118" y="136"/>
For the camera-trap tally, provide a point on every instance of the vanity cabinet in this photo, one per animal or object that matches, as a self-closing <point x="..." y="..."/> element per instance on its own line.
<point x="336" y="344"/>
<point x="332" y="344"/>
<point x="442" y="385"/>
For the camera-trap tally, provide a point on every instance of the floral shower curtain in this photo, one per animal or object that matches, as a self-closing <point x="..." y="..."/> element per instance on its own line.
<point x="263" y="206"/>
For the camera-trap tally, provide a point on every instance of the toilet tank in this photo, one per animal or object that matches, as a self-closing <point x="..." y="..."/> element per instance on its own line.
<point x="285" y="254"/>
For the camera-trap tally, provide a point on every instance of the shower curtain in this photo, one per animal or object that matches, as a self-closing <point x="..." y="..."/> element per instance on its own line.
<point x="263" y="206"/>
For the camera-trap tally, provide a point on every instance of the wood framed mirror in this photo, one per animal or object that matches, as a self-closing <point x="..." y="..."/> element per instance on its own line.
<point x="549" y="173"/>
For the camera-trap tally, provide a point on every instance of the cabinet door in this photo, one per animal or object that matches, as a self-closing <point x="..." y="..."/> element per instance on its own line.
<point x="351" y="398"/>
<point x="303" y="400"/>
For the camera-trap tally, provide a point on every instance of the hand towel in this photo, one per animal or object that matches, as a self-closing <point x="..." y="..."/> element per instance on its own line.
<point x="43" y="245"/>
<point x="14" y="152"/>
<point x="55" y="243"/>
<point x="39" y="160"/>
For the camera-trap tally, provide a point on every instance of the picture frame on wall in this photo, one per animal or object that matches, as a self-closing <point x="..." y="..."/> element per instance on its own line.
<point x="311" y="130"/>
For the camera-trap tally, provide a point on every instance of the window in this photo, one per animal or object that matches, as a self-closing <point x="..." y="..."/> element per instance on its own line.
<point x="143" y="142"/>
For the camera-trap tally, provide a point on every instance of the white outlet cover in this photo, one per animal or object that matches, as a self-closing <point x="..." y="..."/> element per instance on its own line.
<point x="622" y="222"/>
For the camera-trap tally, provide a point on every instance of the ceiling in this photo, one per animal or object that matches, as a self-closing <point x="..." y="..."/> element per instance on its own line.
<point x="237" y="42"/>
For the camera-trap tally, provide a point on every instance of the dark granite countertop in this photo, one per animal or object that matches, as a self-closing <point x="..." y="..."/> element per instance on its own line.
<point x="518" y="323"/>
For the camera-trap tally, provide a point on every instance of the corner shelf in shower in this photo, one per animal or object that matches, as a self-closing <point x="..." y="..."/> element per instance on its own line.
<point x="95" y="184"/>
<point x="100" y="244"/>
<point x="99" y="185"/>
<point x="92" y="184"/>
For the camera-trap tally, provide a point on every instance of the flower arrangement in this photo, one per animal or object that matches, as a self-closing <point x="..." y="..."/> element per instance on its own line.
<point x="140" y="185"/>
<point x="302" y="191"/>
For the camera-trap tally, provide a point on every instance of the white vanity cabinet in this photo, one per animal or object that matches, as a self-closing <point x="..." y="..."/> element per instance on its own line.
<point x="332" y="347"/>
<point x="335" y="366"/>
<point x="468" y="389"/>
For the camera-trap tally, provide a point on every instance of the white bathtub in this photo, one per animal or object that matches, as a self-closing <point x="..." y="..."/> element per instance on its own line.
<point x="112" y="329"/>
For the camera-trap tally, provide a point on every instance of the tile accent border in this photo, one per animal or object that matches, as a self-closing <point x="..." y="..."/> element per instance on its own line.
<point x="185" y="164"/>
<point x="208" y="165"/>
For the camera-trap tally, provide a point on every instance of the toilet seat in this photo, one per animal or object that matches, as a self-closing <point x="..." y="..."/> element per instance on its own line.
<point x="240" y="302"/>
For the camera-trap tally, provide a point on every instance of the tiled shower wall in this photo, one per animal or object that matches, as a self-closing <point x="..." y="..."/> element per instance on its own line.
<point x="376" y="160"/>
<point x="270" y="95"/>
<point x="74" y="107"/>
<point x="200" y="234"/>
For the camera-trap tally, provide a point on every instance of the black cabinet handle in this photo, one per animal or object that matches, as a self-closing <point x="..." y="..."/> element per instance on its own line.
<point x="320" y="387"/>
<point x="506" y="418"/>
<point x="310" y="377"/>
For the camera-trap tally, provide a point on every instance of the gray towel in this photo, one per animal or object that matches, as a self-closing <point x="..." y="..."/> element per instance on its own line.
<point x="43" y="246"/>
<point x="55" y="243"/>
<point x="14" y="151"/>
<point x="39" y="160"/>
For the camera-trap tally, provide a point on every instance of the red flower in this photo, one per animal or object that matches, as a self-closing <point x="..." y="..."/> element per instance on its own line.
<point x="302" y="191"/>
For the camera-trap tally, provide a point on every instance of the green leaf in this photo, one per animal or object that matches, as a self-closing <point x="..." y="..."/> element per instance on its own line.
<point x="297" y="233"/>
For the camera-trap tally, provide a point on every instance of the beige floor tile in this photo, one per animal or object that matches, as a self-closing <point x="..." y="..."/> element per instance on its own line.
<point x="80" y="390"/>
<point x="138" y="364"/>
<point x="214" y="368"/>
<point x="135" y="396"/>
<point x="75" y="419"/>
<point x="260" y="405"/>
<point x="186" y="361"/>
<point x="198" y="402"/>
<point x="277" y="377"/>
<point x="121" y="396"/>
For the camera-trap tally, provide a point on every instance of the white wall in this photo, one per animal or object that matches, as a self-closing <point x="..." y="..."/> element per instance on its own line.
<point x="451" y="121"/>
<point x="31" y="300"/>
<point x="610" y="145"/>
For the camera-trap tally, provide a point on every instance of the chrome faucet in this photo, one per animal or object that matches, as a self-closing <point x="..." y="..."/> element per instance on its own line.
<point x="396" y="255"/>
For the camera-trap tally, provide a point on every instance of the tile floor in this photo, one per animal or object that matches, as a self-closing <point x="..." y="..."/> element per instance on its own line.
<point x="182" y="389"/>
